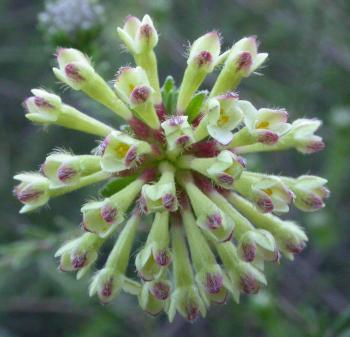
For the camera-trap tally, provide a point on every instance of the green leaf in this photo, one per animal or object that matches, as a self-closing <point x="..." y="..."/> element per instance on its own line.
<point x="169" y="94"/>
<point x="169" y="85"/>
<point x="116" y="185"/>
<point x="195" y="105"/>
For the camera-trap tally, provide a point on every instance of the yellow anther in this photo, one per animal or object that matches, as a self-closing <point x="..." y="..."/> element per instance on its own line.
<point x="131" y="88"/>
<point x="223" y="119"/>
<point x="262" y="125"/>
<point x="121" y="150"/>
<point x="268" y="191"/>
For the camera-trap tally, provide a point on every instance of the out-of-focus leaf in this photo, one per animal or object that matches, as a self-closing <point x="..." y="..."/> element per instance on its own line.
<point x="195" y="105"/>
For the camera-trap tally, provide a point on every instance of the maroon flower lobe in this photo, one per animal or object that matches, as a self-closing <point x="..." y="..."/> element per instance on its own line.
<point x="169" y="201"/>
<point x="213" y="283"/>
<point x="162" y="258"/>
<point x="26" y="195"/>
<point x="42" y="103"/>
<point x="107" y="288"/>
<point x="160" y="290"/>
<point x="249" y="252"/>
<point x="268" y="137"/>
<point x="225" y="179"/>
<point x="79" y="261"/>
<point x="108" y="213"/>
<point x="214" y="221"/>
<point x="140" y="95"/>
<point x="65" y="173"/>
<point x="315" y="146"/>
<point x="265" y="205"/>
<point x="249" y="284"/>
<point x="245" y="60"/>
<point x="73" y="73"/>
<point x="295" y="248"/>
<point x="204" y="58"/>
<point x="131" y="155"/>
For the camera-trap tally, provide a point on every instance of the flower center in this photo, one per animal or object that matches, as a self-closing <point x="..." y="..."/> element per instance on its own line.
<point x="131" y="88"/>
<point x="268" y="191"/>
<point x="121" y="150"/>
<point x="223" y="119"/>
<point x="262" y="125"/>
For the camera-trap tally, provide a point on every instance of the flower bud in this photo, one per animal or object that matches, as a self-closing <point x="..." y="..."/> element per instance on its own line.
<point x="245" y="53"/>
<point x="209" y="217"/>
<point x="108" y="282"/>
<point x="47" y="108"/>
<point x="212" y="283"/>
<point x="258" y="244"/>
<point x="146" y="35"/>
<point x="178" y="132"/>
<point x="154" y="296"/>
<point x="138" y="36"/>
<point x="185" y="298"/>
<point x="244" y="276"/>
<point x="224" y="169"/>
<point x="292" y="239"/>
<point x="242" y="61"/>
<point x="74" y="67"/>
<point x="223" y="115"/>
<point x="162" y="195"/>
<point x="103" y="217"/>
<point x="203" y="57"/>
<point x="133" y="88"/>
<point x="63" y="168"/>
<point x="33" y="191"/>
<point x="303" y="135"/>
<point x="187" y="302"/>
<point x="121" y="152"/>
<point x="79" y="254"/>
<point x="155" y="255"/>
<point x="265" y="125"/>
<point x="310" y="192"/>
<point x="269" y="193"/>
<point x="205" y="51"/>
<point x="43" y="107"/>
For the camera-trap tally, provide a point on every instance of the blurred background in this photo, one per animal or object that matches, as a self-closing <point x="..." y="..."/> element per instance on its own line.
<point x="308" y="73"/>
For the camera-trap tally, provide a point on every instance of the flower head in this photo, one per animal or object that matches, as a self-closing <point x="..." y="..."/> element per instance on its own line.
<point x="211" y="223"/>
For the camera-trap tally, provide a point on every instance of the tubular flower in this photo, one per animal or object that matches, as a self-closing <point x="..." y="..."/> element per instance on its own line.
<point x="178" y="162"/>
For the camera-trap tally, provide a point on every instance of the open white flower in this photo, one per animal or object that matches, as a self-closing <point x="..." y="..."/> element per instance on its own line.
<point x="224" y="114"/>
<point x="266" y="125"/>
<point x="121" y="152"/>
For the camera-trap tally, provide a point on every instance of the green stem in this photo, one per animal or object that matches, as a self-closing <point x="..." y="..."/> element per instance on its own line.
<point x="148" y="61"/>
